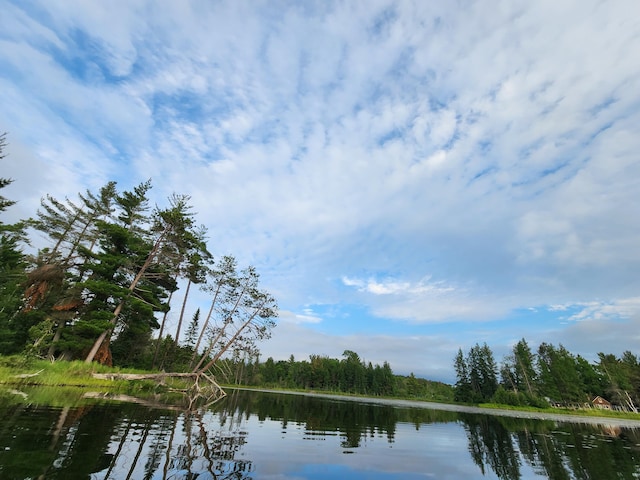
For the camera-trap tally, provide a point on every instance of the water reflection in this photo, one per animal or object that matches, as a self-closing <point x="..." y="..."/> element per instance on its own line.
<point x="255" y="435"/>
<point x="559" y="452"/>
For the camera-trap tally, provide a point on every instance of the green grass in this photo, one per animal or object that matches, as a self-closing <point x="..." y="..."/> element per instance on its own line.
<point x="66" y="383"/>
<point x="65" y="374"/>
<point x="586" y="412"/>
<point x="71" y="379"/>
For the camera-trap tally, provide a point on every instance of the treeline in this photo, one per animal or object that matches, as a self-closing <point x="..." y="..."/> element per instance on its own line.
<point x="351" y="374"/>
<point x="104" y="282"/>
<point x="552" y="374"/>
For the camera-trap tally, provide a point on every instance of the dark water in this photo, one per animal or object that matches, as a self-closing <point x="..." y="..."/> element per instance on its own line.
<point x="277" y="436"/>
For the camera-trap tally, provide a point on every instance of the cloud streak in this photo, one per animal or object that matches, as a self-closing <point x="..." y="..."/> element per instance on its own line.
<point x="429" y="163"/>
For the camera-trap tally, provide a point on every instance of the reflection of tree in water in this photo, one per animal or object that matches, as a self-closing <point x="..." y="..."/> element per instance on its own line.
<point x="126" y="441"/>
<point x="319" y="416"/>
<point x="47" y="441"/>
<point x="353" y="421"/>
<point x="172" y="445"/>
<point x="130" y="441"/>
<point x="194" y="450"/>
<point x="558" y="452"/>
<point x="571" y="451"/>
<point x="490" y="444"/>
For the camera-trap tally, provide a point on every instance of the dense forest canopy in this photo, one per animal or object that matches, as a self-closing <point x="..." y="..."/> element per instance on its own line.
<point x="349" y="374"/>
<point x="550" y="375"/>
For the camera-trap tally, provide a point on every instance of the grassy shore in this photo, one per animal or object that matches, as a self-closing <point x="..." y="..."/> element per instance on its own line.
<point x="71" y="377"/>
<point x="17" y="371"/>
<point x="583" y="412"/>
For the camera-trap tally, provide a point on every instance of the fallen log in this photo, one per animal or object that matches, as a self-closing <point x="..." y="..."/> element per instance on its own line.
<point x="142" y="376"/>
<point x="29" y="375"/>
<point x="209" y="393"/>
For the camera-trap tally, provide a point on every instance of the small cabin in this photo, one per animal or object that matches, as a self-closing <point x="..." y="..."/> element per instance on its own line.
<point x="601" y="403"/>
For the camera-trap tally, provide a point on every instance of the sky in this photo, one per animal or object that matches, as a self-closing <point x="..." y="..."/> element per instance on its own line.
<point x="407" y="177"/>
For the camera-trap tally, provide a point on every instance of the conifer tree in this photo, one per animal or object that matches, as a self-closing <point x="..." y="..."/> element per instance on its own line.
<point x="13" y="266"/>
<point x="153" y="255"/>
<point x="195" y="271"/>
<point x="463" y="391"/>
<point x="621" y="375"/>
<point x="247" y="316"/>
<point x="558" y="375"/>
<point x="122" y="244"/>
<point x="192" y="331"/>
<point x="518" y="369"/>
<point x="72" y="228"/>
<point x="221" y="278"/>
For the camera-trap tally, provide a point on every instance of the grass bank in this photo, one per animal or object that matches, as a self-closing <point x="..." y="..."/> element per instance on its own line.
<point x="585" y="412"/>
<point x="77" y="376"/>
<point x="18" y="371"/>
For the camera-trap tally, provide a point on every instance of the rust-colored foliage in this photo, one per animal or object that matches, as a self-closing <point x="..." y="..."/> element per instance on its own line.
<point x="67" y="304"/>
<point x="103" y="355"/>
<point x="39" y="282"/>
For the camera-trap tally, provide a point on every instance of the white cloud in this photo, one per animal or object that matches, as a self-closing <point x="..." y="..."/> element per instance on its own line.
<point x="623" y="308"/>
<point x="426" y="301"/>
<point x="495" y="148"/>
<point x="297" y="318"/>
<point x="395" y="287"/>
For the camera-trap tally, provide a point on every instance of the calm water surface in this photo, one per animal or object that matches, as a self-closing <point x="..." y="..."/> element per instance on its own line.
<point x="278" y="436"/>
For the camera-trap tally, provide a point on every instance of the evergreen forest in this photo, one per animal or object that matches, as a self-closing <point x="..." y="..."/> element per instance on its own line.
<point x="549" y="376"/>
<point x="351" y="374"/>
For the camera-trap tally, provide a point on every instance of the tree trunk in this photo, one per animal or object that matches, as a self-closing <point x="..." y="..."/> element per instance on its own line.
<point x="210" y="392"/>
<point x="231" y="341"/>
<point x="152" y="254"/>
<point x="164" y="321"/>
<point x="184" y="304"/>
<point x="204" y="327"/>
<point x="212" y="344"/>
<point x="56" y="337"/>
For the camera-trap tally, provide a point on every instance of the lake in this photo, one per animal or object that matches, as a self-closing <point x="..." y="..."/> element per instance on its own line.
<point x="257" y="435"/>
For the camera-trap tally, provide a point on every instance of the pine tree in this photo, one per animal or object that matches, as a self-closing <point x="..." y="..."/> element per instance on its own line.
<point x="150" y="254"/>
<point x="222" y="278"/>
<point x="72" y="229"/>
<point x="477" y="374"/>
<point x="524" y="362"/>
<point x="192" y="331"/>
<point x="13" y="264"/>
<point x="463" y="391"/>
<point x="518" y="370"/>
<point x="4" y="182"/>
<point x="195" y="270"/>
<point x="558" y="375"/>
<point x="621" y="376"/>
<point x="246" y="317"/>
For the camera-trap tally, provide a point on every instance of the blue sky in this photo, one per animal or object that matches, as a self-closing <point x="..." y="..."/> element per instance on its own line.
<point x="409" y="178"/>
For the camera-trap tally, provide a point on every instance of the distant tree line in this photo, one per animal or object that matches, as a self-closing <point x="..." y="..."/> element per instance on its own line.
<point x="550" y="375"/>
<point x="104" y="282"/>
<point x="350" y="374"/>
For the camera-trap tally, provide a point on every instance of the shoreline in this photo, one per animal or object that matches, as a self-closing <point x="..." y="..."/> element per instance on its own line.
<point x="559" y="417"/>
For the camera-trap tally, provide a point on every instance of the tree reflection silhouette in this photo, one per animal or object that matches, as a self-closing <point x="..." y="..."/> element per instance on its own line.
<point x="556" y="451"/>
<point x="133" y="441"/>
